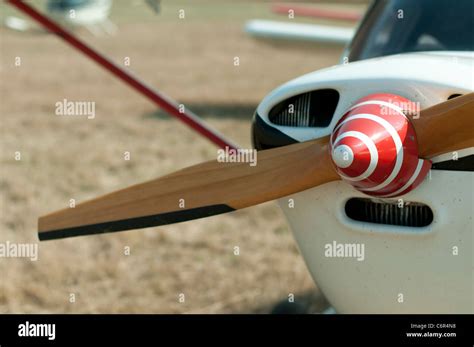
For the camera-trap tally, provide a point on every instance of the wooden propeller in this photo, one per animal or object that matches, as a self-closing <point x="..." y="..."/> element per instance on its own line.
<point x="213" y="188"/>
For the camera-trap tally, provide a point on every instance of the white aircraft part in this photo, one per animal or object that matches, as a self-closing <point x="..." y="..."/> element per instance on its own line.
<point x="95" y="12"/>
<point x="415" y="76"/>
<point x="16" y="23"/>
<point x="299" y="31"/>
<point x="416" y="262"/>
<point x="404" y="269"/>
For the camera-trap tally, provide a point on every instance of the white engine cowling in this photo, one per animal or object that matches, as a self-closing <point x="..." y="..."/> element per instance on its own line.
<point x="425" y="263"/>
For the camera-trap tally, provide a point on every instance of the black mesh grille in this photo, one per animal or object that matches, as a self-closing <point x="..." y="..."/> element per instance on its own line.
<point x="313" y="109"/>
<point x="410" y="215"/>
<point x="296" y="114"/>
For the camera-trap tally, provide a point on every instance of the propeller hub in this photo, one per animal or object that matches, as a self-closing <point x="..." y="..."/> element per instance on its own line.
<point x="373" y="147"/>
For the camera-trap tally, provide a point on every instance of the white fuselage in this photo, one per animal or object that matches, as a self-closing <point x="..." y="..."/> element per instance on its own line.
<point x="403" y="269"/>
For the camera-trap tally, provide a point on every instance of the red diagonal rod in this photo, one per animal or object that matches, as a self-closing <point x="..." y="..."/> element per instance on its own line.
<point x="167" y="104"/>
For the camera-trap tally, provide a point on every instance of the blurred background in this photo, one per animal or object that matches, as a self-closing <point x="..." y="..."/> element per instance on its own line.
<point x="63" y="158"/>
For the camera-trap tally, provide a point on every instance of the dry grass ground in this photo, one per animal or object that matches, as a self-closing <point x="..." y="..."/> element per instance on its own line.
<point x="72" y="157"/>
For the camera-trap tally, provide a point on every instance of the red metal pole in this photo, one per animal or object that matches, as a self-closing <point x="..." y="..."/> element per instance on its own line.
<point x="167" y="104"/>
<point x="317" y="12"/>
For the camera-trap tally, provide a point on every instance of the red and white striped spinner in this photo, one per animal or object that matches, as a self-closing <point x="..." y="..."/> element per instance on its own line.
<point x="374" y="148"/>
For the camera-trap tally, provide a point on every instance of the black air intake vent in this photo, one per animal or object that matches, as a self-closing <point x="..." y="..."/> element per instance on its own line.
<point x="295" y="114"/>
<point x="312" y="109"/>
<point x="461" y="164"/>
<point x="410" y="215"/>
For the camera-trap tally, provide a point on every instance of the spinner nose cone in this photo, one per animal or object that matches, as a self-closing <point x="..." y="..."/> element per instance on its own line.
<point x="373" y="147"/>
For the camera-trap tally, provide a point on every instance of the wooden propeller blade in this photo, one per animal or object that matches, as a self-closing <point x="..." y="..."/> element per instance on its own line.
<point x="446" y="127"/>
<point x="212" y="188"/>
<point x="206" y="189"/>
